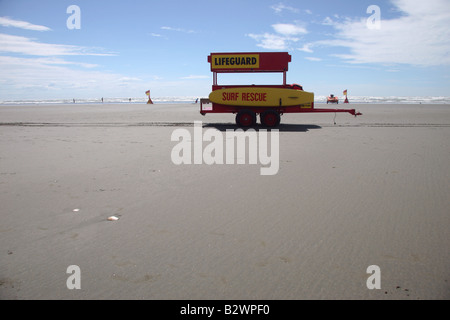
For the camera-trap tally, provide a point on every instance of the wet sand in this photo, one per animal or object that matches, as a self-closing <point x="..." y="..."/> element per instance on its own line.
<point x="371" y="190"/>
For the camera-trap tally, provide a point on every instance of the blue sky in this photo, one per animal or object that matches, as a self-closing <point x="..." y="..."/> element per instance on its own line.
<point x="124" y="48"/>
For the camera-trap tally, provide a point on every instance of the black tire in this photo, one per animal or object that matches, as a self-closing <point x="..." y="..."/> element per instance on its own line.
<point x="246" y="118"/>
<point x="270" y="118"/>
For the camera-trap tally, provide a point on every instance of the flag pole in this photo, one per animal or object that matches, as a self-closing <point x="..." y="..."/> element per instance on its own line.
<point x="149" y="99"/>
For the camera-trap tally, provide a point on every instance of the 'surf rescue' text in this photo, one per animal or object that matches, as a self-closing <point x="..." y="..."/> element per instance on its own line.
<point x="246" y="96"/>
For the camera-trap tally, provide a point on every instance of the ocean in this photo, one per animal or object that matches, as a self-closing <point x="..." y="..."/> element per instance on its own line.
<point x="176" y="100"/>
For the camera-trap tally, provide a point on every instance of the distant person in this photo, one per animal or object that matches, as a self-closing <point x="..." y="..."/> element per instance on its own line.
<point x="102" y="99"/>
<point x="129" y="99"/>
<point x="196" y="100"/>
<point x="73" y="100"/>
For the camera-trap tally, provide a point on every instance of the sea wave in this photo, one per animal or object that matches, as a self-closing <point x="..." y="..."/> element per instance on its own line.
<point x="388" y="100"/>
<point x="190" y="99"/>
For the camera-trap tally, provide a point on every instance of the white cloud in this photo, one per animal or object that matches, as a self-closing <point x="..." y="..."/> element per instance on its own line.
<point x="193" y="77"/>
<point x="313" y="59"/>
<point x="28" y="46"/>
<point x="128" y="79"/>
<point x="420" y="36"/>
<point x="54" y="61"/>
<point x="177" y="29"/>
<point x="282" y="39"/>
<point x="288" y="29"/>
<point x="270" y="41"/>
<point x="327" y="21"/>
<point x="8" y="22"/>
<point x="278" y="8"/>
<point x="38" y="76"/>
<point x="306" y="48"/>
<point x="41" y="78"/>
<point x="37" y="69"/>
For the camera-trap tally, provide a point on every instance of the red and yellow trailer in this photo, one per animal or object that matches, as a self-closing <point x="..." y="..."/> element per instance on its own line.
<point x="247" y="101"/>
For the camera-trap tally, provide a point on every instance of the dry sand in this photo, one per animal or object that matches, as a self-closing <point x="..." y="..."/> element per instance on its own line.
<point x="371" y="190"/>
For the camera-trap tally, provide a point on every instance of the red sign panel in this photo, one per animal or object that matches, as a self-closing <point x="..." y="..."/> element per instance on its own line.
<point x="249" y="61"/>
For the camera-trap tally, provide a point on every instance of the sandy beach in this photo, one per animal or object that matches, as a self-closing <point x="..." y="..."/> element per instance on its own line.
<point x="370" y="190"/>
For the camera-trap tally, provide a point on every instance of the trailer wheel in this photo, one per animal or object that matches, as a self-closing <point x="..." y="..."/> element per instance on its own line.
<point x="246" y="118"/>
<point x="270" y="118"/>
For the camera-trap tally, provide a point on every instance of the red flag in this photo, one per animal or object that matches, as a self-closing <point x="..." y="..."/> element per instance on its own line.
<point x="147" y="92"/>
<point x="345" y="92"/>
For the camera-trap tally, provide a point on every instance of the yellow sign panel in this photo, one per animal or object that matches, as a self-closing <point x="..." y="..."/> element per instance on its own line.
<point x="262" y="97"/>
<point x="235" y="61"/>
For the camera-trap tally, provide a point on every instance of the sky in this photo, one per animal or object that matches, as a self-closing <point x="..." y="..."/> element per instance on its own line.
<point x="58" y="49"/>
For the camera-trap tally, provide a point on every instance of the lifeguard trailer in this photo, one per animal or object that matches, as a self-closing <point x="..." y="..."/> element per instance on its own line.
<point x="247" y="101"/>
